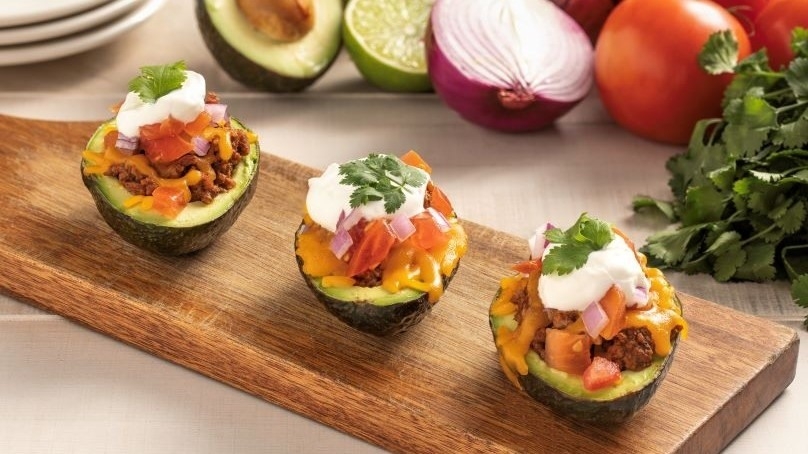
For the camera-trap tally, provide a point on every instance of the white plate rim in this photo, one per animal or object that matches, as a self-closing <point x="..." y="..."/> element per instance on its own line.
<point x="37" y="52"/>
<point x="39" y="11"/>
<point x="65" y="26"/>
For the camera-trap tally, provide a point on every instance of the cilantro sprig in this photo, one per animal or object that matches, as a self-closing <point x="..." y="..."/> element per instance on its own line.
<point x="156" y="81"/>
<point x="571" y="248"/>
<point x="380" y="177"/>
<point x="741" y="187"/>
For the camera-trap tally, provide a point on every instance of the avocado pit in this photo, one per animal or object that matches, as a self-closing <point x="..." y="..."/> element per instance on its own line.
<point x="280" y="20"/>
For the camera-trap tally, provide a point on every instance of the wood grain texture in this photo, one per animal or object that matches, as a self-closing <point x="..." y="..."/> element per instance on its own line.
<point x="240" y="313"/>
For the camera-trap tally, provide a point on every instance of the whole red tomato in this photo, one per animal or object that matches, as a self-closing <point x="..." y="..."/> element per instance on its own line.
<point x="773" y="29"/>
<point x="646" y="65"/>
<point x="745" y="10"/>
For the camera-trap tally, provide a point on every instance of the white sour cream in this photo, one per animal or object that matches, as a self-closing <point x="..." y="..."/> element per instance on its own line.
<point x="184" y="104"/>
<point x="327" y="198"/>
<point x="613" y="265"/>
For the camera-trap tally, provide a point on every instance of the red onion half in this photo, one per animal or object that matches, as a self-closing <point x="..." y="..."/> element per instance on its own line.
<point x="508" y="65"/>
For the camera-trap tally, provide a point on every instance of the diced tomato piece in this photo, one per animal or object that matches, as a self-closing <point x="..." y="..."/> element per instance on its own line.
<point x="427" y="233"/>
<point x="527" y="266"/>
<point x="412" y="158"/>
<point x="600" y="374"/>
<point x="614" y="304"/>
<point x="372" y="248"/>
<point x="567" y="351"/>
<point x="169" y="200"/>
<point x="439" y="201"/>
<point x="198" y="125"/>
<point x="168" y="127"/>
<point x="166" y="149"/>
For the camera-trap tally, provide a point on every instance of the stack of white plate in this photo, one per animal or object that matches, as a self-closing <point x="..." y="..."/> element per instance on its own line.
<point x="39" y="30"/>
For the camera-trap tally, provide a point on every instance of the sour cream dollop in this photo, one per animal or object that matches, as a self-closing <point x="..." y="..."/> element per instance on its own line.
<point x="184" y="104"/>
<point x="328" y="198"/>
<point x="615" y="264"/>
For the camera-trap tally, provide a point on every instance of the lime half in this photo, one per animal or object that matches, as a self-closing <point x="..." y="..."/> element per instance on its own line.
<point x="385" y="39"/>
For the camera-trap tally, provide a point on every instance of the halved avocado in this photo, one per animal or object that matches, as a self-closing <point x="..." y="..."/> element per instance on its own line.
<point x="372" y="310"/>
<point x="196" y="226"/>
<point x="267" y="63"/>
<point x="564" y="393"/>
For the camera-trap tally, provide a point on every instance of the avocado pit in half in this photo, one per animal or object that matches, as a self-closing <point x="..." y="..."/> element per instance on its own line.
<point x="272" y="45"/>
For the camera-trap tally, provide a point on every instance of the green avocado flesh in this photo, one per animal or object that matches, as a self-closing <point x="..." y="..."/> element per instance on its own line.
<point x="377" y="296"/>
<point x="565" y="393"/>
<point x="260" y="62"/>
<point x="372" y="310"/>
<point x="194" y="228"/>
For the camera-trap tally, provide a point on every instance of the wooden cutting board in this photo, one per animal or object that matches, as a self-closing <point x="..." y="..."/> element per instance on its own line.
<point x="240" y="313"/>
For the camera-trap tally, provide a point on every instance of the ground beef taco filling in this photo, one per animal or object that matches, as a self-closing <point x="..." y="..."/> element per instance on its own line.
<point x="216" y="172"/>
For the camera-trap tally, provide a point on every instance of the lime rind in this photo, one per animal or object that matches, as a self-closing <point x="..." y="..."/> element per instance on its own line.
<point x="385" y="40"/>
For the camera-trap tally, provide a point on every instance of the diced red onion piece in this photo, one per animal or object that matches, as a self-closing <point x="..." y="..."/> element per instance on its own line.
<point x="217" y="112"/>
<point x="126" y="143"/>
<point x="341" y="242"/>
<point x="440" y="219"/>
<point x="201" y="146"/>
<point x="538" y="243"/>
<point x="595" y="319"/>
<point x="512" y="66"/>
<point x="340" y="219"/>
<point x="402" y="227"/>
<point x="349" y="220"/>
<point x="640" y="296"/>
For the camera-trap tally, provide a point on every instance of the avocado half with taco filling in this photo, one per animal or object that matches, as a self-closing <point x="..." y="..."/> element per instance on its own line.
<point x="379" y="242"/>
<point x="585" y="326"/>
<point x="272" y="45"/>
<point x="173" y="170"/>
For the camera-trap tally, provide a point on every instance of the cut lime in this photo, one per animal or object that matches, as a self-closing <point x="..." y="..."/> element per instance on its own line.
<point x="385" y="39"/>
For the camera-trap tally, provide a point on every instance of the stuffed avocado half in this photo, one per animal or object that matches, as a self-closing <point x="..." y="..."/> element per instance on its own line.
<point x="173" y="170"/>
<point x="585" y="326"/>
<point x="379" y="242"/>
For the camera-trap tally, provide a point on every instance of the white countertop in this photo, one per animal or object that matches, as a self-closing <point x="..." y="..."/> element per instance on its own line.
<point x="67" y="389"/>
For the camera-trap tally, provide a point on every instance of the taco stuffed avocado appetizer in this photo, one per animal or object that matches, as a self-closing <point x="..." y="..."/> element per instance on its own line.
<point x="172" y="170"/>
<point x="379" y="242"/>
<point x="585" y="326"/>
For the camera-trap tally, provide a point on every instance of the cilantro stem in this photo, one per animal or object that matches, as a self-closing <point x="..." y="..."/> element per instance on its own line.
<point x="797" y="105"/>
<point x="758" y="235"/>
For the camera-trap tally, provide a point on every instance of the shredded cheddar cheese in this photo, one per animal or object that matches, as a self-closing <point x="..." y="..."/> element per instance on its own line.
<point x="406" y="266"/>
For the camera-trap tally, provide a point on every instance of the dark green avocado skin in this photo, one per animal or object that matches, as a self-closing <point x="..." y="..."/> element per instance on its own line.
<point x="379" y="321"/>
<point x="590" y="411"/>
<point x="168" y="240"/>
<point x="364" y="316"/>
<point x="242" y="68"/>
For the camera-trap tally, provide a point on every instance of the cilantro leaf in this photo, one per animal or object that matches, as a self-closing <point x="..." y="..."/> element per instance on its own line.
<point x="644" y="202"/>
<point x="799" y="41"/>
<point x="728" y="263"/>
<point x="156" y="81"/>
<point x="720" y="54"/>
<point x="570" y="249"/>
<point x="797" y="77"/>
<point x="380" y="177"/>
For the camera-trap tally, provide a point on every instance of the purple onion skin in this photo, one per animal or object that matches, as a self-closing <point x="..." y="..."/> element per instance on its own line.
<point x="480" y="104"/>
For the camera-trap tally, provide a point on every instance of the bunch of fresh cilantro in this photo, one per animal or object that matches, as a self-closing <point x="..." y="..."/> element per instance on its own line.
<point x="741" y="188"/>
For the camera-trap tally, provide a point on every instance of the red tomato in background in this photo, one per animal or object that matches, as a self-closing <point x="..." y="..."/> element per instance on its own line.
<point x="589" y="14"/>
<point x="773" y="29"/>
<point x="745" y="10"/>
<point x="647" y="71"/>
